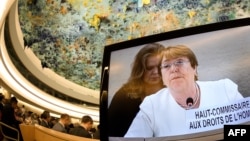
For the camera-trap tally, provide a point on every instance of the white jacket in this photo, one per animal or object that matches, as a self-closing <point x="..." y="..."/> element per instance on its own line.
<point x="161" y="116"/>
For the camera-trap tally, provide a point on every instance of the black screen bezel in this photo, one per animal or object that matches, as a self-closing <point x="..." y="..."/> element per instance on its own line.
<point x="149" y="39"/>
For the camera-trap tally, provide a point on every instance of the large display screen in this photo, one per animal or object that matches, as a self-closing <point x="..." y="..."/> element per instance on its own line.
<point x="222" y="50"/>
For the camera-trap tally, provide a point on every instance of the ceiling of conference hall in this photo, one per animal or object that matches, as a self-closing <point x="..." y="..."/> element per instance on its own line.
<point x="69" y="36"/>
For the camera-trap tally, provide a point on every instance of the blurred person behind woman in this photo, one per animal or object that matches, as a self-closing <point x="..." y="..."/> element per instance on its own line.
<point x="145" y="79"/>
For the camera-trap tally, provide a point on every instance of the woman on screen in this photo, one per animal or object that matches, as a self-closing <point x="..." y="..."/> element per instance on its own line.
<point x="163" y="113"/>
<point x="145" y="79"/>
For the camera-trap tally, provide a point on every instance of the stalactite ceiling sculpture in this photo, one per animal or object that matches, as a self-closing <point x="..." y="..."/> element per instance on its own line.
<point x="68" y="36"/>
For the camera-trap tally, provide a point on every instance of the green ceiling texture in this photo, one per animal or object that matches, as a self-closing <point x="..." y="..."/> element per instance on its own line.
<point x="69" y="36"/>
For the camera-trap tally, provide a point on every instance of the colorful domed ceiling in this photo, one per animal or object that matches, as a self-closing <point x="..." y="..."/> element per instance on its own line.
<point x="69" y="36"/>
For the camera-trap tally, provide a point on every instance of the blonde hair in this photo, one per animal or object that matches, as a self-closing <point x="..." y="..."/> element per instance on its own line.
<point x="134" y="87"/>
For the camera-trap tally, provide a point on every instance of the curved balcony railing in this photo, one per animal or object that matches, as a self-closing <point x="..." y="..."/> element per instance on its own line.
<point x="26" y="90"/>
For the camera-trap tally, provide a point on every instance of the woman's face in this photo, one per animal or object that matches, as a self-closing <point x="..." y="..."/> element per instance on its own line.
<point x="177" y="72"/>
<point x="152" y="74"/>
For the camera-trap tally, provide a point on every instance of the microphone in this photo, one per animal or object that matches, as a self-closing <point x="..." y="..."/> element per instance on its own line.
<point x="189" y="102"/>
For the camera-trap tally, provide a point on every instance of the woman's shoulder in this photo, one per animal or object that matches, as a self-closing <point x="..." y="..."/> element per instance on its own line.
<point x="221" y="86"/>
<point x="224" y="81"/>
<point x="159" y="94"/>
